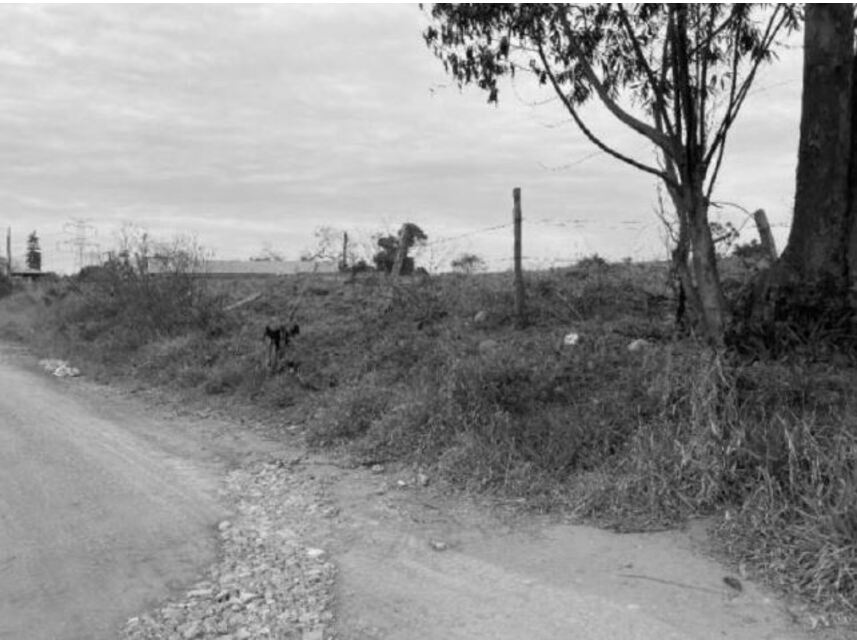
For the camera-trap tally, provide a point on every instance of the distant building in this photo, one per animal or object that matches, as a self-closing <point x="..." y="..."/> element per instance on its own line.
<point x="234" y="268"/>
<point x="28" y="273"/>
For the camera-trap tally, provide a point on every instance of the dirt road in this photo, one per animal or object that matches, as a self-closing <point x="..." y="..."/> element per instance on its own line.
<point x="415" y="564"/>
<point x="95" y="521"/>
<point x="107" y="511"/>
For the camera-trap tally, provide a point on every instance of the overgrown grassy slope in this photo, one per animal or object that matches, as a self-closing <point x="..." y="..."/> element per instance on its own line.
<point x="635" y="439"/>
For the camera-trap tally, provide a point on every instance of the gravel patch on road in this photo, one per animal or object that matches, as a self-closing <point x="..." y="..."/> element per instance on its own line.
<point x="269" y="583"/>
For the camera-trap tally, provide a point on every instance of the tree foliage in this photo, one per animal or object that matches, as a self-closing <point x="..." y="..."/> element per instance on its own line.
<point x="676" y="74"/>
<point x="34" y="252"/>
<point x="409" y="235"/>
<point x="268" y="253"/>
<point x="658" y="68"/>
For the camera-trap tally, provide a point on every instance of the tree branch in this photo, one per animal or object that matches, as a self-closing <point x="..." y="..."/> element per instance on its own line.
<point x="702" y="87"/>
<point x="657" y="89"/>
<point x="718" y="146"/>
<point x="713" y="34"/>
<point x="671" y="38"/>
<point x="736" y="99"/>
<point x="571" y="110"/>
<point x="684" y="96"/>
<point x="635" y="124"/>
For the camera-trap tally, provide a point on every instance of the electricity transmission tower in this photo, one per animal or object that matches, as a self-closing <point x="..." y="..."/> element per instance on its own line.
<point x="79" y="231"/>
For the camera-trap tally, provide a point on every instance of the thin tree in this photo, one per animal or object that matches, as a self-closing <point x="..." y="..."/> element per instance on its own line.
<point x="676" y="74"/>
<point x="34" y="252"/>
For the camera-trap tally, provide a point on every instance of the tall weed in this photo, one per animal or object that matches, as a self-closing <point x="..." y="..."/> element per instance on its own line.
<point x="122" y="308"/>
<point x="632" y="439"/>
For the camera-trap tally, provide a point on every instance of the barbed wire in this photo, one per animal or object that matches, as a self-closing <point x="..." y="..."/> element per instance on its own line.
<point x="466" y="234"/>
<point x="577" y="223"/>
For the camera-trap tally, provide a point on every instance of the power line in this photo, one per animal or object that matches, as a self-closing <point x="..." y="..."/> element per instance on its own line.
<point x="79" y="231"/>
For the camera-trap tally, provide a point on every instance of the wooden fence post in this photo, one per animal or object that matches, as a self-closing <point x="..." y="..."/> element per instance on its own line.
<point x="394" y="276"/>
<point x="519" y="275"/>
<point x="765" y="235"/>
<point x="400" y="255"/>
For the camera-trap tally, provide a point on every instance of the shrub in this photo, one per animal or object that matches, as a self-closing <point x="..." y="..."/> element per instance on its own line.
<point x="752" y="253"/>
<point x="349" y="414"/>
<point x="593" y="263"/>
<point x="124" y="307"/>
<point x="772" y="441"/>
<point x="6" y="288"/>
<point x="224" y="379"/>
<point x="468" y="263"/>
<point x="633" y="440"/>
<point x="522" y="412"/>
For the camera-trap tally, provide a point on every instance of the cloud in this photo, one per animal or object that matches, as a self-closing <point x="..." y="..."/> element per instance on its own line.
<point x="254" y="124"/>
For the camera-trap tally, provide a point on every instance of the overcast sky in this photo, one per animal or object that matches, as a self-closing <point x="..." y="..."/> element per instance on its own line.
<point x="250" y="126"/>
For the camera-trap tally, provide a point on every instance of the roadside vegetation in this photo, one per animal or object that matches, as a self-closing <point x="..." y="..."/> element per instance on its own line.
<point x="635" y="396"/>
<point x="439" y="377"/>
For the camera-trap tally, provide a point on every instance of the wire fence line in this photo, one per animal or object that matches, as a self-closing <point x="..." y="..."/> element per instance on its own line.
<point x="644" y="238"/>
<point x="574" y="237"/>
<point x="465" y="235"/>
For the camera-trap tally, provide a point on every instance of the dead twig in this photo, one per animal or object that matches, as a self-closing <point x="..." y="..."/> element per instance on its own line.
<point x="670" y="582"/>
<point x="242" y="302"/>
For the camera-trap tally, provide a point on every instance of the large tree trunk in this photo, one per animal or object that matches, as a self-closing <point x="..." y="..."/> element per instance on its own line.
<point x="809" y="284"/>
<point x="851" y="248"/>
<point x="816" y="250"/>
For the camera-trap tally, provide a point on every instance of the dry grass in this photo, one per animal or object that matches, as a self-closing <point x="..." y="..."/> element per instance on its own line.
<point x="631" y="439"/>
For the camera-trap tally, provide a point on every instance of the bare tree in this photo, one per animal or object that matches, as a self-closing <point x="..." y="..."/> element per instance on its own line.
<point x="328" y="244"/>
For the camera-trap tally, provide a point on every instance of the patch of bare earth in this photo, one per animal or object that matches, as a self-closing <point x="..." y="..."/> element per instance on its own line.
<point x="320" y="547"/>
<point x="414" y="562"/>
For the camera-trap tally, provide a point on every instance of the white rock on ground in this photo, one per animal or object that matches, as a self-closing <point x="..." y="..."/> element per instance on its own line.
<point x="638" y="345"/>
<point x="571" y="339"/>
<point x="59" y="368"/>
